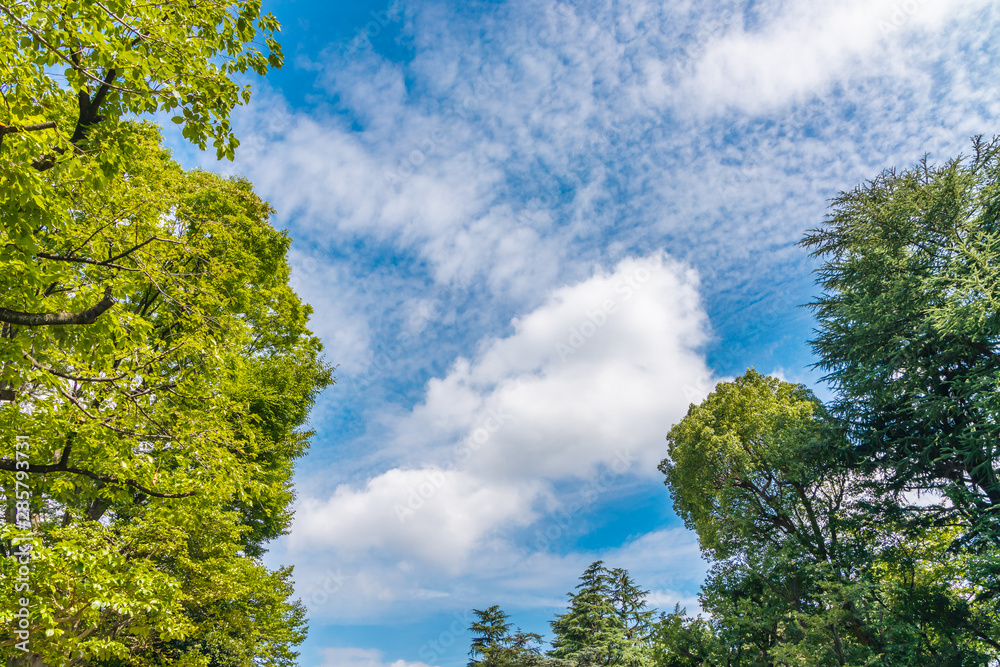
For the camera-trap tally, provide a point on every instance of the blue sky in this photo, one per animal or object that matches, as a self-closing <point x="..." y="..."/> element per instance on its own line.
<point x="533" y="233"/>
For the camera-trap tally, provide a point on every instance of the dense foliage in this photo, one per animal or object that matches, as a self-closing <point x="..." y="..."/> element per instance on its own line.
<point x="909" y="332"/>
<point x="164" y="432"/>
<point x="866" y="532"/>
<point x="156" y="371"/>
<point x="803" y="571"/>
<point x="153" y="358"/>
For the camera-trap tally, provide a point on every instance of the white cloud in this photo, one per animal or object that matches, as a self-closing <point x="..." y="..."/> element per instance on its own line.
<point x="503" y="162"/>
<point x="589" y="381"/>
<point x="506" y="168"/>
<point x="666" y="562"/>
<point x="804" y="47"/>
<point x="337" y="299"/>
<point x="430" y="515"/>
<point x="600" y="370"/>
<point x="357" y="657"/>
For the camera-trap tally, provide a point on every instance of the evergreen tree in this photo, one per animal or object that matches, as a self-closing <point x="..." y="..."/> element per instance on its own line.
<point x="494" y="646"/>
<point x="909" y="334"/>
<point x="630" y="602"/>
<point x="606" y="623"/>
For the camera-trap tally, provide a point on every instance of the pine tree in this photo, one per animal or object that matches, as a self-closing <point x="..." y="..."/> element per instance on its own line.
<point x="630" y="602"/>
<point x="497" y="647"/>
<point x="606" y="623"/>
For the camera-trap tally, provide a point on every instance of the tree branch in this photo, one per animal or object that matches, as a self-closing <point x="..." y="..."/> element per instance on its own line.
<point x="89" y="107"/>
<point x="63" y="466"/>
<point x="11" y="465"/>
<point x="66" y="376"/>
<point x="83" y="260"/>
<point x="55" y="51"/>
<point x="33" y="127"/>
<point x="88" y="316"/>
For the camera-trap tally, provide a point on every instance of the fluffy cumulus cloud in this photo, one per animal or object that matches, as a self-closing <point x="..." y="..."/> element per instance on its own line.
<point x="428" y="514"/>
<point x="596" y="374"/>
<point x="583" y="388"/>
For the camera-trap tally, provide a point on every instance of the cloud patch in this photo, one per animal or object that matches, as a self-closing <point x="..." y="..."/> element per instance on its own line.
<point x="358" y="657"/>
<point x="589" y="381"/>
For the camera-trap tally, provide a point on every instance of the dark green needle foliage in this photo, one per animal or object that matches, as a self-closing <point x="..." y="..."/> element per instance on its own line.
<point x="909" y="335"/>
<point x="493" y="645"/>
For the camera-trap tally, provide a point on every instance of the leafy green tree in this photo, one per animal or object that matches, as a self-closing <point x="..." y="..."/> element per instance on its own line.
<point x="493" y="645"/>
<point x="150" y="347"/>
<point x="680" y="641"/>
<point x="120" y="59"/>
<point x="165" y="428"/>
<point x="909" y="334"/>
<point x="746" y="466"/>
<point x="803" y="572"/>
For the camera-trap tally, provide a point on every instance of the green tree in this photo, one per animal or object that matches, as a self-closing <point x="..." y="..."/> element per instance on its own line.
<point x="493" y="645"/>
<point x="150" y="347"/>
<point x="629" y="602"/>
<point x="120" y="59"/>
<point x="164" y="430"/>
<point x="680" y="641"/>
<point x="909" y="335"/>
<point x="803" y="571"/>
<point x="607" y="622"/>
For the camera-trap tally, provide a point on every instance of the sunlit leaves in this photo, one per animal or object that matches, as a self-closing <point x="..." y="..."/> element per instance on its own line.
<point x="169" y="424"/>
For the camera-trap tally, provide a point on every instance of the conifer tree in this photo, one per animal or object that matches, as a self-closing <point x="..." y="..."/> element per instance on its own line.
<point x="494" y="645"/>
<point x="909" y="335"/>
<point x="606" y="623"/>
